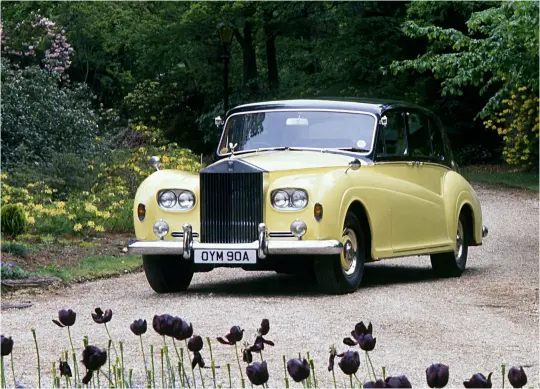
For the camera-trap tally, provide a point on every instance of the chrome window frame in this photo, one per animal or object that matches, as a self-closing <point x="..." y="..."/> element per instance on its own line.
<point x="301" y="110"/>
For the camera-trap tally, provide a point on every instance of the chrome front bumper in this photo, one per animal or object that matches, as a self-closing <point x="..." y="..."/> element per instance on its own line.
<point x="263" y="246"/>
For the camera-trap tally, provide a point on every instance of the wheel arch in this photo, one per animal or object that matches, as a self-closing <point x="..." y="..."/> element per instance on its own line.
<point x="360" y="211"/>
<point x="467" y="210"/>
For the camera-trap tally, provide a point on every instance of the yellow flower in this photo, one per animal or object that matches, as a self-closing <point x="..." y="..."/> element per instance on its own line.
<point x="70" y="217"/>
<point x="31" y="220"/>
<point x="6" y="199"/>
<point x="60" y="204"/>
<point x="90" y="207"/>
<point x="48" y="191"/>
<point x="106" y="215"/>
<point x="90" y="223"/>
<point x="77" y="227"/>
<point x="100" y="229"/>
<point x="38" y="206"/>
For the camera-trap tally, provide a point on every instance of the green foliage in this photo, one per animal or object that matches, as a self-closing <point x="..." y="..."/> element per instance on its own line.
<point x="94" y="267"/>
<point x="38" y="116"/>
<point x="10" y="271"/>
<point x="13" y="220"/>
<point x="16" y="248"/>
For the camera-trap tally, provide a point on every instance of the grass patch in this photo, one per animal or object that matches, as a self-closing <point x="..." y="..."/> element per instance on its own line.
<point x="501" y="175"/>
<point x="93" y="268"/>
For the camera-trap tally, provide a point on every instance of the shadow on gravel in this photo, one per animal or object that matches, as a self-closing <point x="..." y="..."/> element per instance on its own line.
<point x="271" y="284"/>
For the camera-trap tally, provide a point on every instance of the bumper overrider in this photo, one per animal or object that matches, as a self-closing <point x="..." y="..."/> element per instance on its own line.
<point x="263" y="246"/>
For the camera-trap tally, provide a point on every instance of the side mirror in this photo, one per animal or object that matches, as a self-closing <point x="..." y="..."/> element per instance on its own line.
<point x="354" y="165"/>
<point x="154" y="162"/>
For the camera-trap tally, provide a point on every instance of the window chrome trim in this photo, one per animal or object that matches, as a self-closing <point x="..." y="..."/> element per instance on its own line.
<point x="301" y="110"/>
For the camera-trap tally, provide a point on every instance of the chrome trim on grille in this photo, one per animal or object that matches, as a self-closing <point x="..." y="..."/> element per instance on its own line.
<point x="181" y="234"/>
<point x="283" y="234"/>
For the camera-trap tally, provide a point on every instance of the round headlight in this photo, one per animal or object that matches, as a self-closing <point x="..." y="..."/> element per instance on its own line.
<point x="281" y="199"/>
<point x="186" y="200"/>
<point x="161" y="228"/>
<point x="299" y="199"/>
<point x="167" y="199"/>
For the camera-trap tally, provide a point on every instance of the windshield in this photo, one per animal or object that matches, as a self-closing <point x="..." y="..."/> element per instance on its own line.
<point x="316" y="129"/>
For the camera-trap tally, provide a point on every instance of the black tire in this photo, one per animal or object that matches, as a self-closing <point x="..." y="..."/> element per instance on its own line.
<point x="331" y="274"/>
<point x="453" y="264"/>
<point x="167" y="273"/>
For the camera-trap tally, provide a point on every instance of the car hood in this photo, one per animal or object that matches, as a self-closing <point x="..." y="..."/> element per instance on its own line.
<point x="298" y="159"/>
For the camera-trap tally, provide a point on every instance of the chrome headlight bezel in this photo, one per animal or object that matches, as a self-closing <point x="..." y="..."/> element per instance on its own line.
<point x="178" y="193"/>
<point x="287" y="194"/>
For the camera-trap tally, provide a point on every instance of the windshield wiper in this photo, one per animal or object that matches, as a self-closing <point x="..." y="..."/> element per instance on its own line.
<point x="273" y="148"/>
<point x="354" y="149"/>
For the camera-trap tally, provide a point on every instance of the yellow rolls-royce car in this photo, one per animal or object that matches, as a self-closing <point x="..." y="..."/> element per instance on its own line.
<point x="320" y="186"/>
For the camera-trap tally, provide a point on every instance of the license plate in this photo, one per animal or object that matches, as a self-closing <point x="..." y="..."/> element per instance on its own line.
<point x="226" y="257"/>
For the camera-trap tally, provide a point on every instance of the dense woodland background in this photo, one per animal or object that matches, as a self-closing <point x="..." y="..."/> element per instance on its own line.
<point x="91" y="89"/>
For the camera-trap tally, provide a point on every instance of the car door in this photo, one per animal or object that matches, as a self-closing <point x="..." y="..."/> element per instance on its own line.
<point x="416" y="201"/>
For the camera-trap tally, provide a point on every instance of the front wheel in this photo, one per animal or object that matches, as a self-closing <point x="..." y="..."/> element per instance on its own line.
<point x="167" y="273"/>
<point x="453" y="264"/>
<point x="339" y="274"/>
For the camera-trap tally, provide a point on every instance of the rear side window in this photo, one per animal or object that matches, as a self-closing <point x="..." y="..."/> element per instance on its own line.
<point x="419" y="135"/>
<point x="392" y="139"/>
<point x="437" y="143"/>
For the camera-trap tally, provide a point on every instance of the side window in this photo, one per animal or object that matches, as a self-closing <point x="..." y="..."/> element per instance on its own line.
<point x="419" y="135"/>
<point x="437" y="142"/>
<point x="392" y="140"/>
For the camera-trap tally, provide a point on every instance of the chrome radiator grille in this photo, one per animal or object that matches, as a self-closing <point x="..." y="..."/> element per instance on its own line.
<point x="231" y="206"/>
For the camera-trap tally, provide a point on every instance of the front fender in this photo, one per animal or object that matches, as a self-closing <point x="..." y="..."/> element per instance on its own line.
<point x="147" y="195"/>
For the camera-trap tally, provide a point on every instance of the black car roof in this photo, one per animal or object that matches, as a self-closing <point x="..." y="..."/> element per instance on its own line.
<point x="375" y="106"/>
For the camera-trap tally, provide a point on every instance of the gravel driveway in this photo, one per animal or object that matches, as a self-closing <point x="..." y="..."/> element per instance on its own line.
<point x="475" y="323"/>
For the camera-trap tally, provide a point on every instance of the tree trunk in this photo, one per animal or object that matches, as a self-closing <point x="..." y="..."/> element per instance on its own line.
<point x="271" y="60"/>
<point x="249" y="57"/>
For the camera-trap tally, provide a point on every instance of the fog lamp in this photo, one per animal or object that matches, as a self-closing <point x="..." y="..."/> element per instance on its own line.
<point x="161" y="228"/>
<point x="298" y="228"/>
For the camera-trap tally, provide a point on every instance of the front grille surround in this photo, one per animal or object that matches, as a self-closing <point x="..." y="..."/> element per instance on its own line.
<point x="231" y="206"/>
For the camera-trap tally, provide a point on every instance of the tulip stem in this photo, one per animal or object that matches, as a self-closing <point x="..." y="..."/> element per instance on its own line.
<point x="181" y="370"/>
<point x="109" y="334"/>
<point x="162" y="369"/>
<point x="285" y="372"/>
<point x="202" y="378"/>
<point x="184" y="367"/>
<point x="372" y="368"/>
<point x="105" y="375"/>
<point x="350" y="378"/>
<point x="74" y="355"/>
<point x="13" y="372"/>
<point x="170" y="370"/>
<point x="122" y="364"/>
<point x="212" y="361"/>
<point x="239" y="366"/>
<point x="384" y="372"/>
<point x="37" y="353"/>
<point x="3" y="374"/>
<point x="152" y="360"/>
<point x="229" y="371"/>
<point x="367" y="366"/>
<point x="312" y="365"/>
<point x="191" y="364"/>
<point x="334" y="378"/>
<point x="503" y="368"/>
<point x="144" y="360"/>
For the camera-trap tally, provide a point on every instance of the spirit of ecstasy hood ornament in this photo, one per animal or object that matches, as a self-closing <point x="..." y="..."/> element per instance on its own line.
<point x="232" y="147"/>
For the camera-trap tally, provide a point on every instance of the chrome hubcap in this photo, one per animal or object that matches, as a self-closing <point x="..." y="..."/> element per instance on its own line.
<point x="349" y="254"/>
<point x="459" y="241"/>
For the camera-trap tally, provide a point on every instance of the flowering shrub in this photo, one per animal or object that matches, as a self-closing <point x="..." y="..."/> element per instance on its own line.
<point x="517" y="122"/>
<point x="108" y="205"/>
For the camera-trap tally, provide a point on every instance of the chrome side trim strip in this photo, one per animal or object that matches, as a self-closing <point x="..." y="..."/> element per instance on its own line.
<point x="283" y="234"/>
